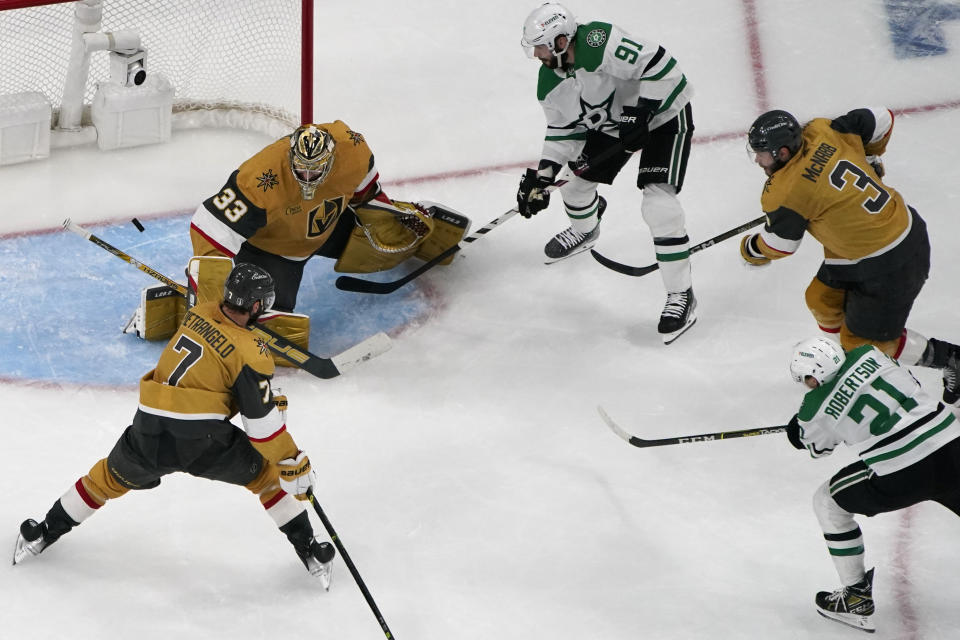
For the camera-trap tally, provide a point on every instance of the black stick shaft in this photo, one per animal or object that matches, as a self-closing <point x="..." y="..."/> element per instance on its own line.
<point x="352" y="567"/>
<point x="642" y="271"/>
<point x="703" y="437"/>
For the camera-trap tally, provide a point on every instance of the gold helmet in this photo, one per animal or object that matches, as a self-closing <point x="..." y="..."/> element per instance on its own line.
<point x="311" y="157"/>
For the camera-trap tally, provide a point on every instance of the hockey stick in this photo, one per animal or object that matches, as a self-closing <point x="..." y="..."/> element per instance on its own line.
<point x="359" y="285"/>
<point x="642" y="271"/>
<point x="703" y="437"/>
<point x="347" y="561"/>
<point x="325" y="368"/>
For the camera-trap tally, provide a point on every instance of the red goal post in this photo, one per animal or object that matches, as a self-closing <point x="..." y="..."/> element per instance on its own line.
<point x="232" y="63"/>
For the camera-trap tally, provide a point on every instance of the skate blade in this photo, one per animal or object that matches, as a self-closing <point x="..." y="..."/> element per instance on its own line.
<point x="579" y="249"/>
<point x="23" y="549"/>
<point x="863" y="623"/>
<point x="670" y="337"/>
<point x="325" y="574"/>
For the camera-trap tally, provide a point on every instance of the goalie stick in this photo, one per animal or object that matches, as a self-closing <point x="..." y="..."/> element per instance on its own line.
<point x="324" y="368"/>
<point x="642" y="271"/>
<point x="347" y="561"/>
<point x="703" y="437"/>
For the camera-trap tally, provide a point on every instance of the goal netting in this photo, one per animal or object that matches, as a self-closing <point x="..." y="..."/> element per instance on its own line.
<point x="234" y="63"/>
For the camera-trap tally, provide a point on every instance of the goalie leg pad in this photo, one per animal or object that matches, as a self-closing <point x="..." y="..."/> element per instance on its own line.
<point x="449" y="228"/>
<point x="207" y="275"/>
<point x="295" y="327"/>
<point x="158" y="315"/>
<point x="385" y="236"/>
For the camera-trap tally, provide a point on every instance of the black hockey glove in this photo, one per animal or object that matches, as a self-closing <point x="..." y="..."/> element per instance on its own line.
<point x="532" y="196"/>
<point x="635" y="124"/>
<point x="793" y="433"/>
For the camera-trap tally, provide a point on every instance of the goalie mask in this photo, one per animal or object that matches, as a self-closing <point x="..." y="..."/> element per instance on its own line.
<point x="247" y="284"/>
<point x="818" y="358"/>
<point x="543" y="26"/>
<point x="311" y="157"/>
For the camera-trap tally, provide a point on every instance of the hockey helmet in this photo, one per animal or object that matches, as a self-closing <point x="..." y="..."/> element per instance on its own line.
<point x="775" y="129"/>
<point x="818" y="358"/>
<point x="311" y="157"/>
<point x="247" y="284"/>
<point x="544" y="25"/>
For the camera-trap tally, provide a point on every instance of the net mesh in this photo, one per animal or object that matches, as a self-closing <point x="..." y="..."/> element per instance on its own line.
<point x="235" y="58"/>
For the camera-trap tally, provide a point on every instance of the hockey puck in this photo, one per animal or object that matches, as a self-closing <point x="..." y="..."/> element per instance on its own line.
<point x="137" y="224"/>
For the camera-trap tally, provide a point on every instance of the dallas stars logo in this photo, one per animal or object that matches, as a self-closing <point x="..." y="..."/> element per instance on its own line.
<point x="596" y="38"/>
<point x="267" y="180"/>
<point x="357" y="138"/>
<point x="594" y="116"/>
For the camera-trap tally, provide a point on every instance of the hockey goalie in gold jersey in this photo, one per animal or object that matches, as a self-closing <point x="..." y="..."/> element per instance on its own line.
<point x="316" y="192"/>
<point x="212" y="369"/>
<point x="825" y="178"/>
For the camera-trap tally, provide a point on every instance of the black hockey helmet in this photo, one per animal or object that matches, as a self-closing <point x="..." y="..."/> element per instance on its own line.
<point x="246" y="284"/>
<point x="775" y="129"/>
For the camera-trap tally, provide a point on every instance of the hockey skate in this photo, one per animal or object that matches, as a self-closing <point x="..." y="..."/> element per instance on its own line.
<point x="570" y="242"/>
<point x="852" y="606"/>
<point x="678" y="315"/>
<point x="30" y="541"/>
<point x="319" y="561"/>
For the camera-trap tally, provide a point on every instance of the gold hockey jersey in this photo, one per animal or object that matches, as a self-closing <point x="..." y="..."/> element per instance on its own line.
<point x="262" y="203"/>
<point x="830" y="190"/>
<point x="211" y="369"/>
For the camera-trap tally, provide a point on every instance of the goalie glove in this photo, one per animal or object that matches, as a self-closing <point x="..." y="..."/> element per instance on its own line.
<point x="296" y="475"/>
<point x="532" y="196"/>
<point x="751" y="253"/>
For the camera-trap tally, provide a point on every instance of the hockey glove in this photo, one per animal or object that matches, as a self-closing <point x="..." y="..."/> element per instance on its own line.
<point x="532" y="196"/>
<point x="635" y="124"/>
<point x="296" y="476"/>
<point x="877" y="165"/>
<point x="751" y="253"/>
<point x="793" y="433"/>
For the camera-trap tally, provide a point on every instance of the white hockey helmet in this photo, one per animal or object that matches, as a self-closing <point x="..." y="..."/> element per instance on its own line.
<point x="818" y="358"/>
<point x="544" y="25"/>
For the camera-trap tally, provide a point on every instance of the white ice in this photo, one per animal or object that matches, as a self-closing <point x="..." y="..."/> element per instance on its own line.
<point x="467" y="471"/>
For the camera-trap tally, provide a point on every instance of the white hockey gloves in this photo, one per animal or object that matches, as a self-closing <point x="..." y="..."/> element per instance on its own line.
<point x="296" y="476"/>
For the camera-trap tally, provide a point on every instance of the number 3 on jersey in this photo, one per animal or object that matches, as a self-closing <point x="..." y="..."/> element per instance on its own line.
<point x="839" y="178"/>
<point x="232" y="207"/>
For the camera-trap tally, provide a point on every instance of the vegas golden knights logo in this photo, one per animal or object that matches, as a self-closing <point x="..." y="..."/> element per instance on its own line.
<point x="324" y="216"/>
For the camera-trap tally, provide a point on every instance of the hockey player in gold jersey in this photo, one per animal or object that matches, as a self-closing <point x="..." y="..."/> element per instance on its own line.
<point x="212" y="369"/>
<point x="825" y="178"/>
<point x="317" y="192"/>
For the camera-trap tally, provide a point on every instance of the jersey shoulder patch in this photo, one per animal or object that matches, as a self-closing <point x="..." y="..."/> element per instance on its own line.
<point x="592" y="39"/>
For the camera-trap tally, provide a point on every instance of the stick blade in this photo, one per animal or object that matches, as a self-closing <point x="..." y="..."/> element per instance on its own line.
<point x="359" y="285"/>
<point x="375" y="345"/>
<point x="623" y="268"/>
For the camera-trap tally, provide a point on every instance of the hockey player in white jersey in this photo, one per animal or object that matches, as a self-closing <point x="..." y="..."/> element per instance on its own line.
<point x="908" y="445"/>
<point x="605" y="95"/>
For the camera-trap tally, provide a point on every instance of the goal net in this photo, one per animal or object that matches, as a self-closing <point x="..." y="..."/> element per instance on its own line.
<point x="232" y="63"/>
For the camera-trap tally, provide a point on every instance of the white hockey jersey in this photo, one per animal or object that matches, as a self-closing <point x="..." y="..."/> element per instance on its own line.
<point x="878" y="407"/>
<point x="611" y="69"/>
